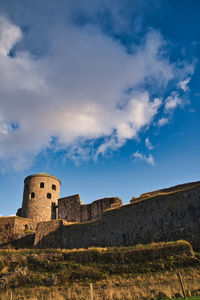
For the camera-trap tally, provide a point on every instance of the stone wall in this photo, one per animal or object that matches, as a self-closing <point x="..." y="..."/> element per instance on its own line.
<point x="159" y="218"/>
<point x="98" y="207"/>
<point x="71" y="208"/>
<point x="12" y="228"/>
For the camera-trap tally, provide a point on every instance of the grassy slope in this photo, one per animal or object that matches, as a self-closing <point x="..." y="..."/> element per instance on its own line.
<point x="143" y="270"/>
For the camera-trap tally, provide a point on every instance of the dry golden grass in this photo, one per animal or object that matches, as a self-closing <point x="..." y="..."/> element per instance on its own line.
<point x="157" y="286"/>
<point x="139" y="272"/>
<point x="152" y="245"/>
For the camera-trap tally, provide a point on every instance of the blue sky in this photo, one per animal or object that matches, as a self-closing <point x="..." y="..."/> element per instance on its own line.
<point x="104" y="95"/>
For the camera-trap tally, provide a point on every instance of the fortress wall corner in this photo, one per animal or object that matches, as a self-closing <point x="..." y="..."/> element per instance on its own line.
<point x="49" y="234"/>
<point x="69" y="208"/>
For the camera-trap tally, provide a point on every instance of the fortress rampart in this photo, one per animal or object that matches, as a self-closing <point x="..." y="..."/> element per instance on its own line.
<point x="163" y="217"/>
<point x="41" y="202"/>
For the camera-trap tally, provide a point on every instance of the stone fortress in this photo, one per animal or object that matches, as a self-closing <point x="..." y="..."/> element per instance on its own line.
<point x="41" y="202"/>
<point x="47" y="221"/>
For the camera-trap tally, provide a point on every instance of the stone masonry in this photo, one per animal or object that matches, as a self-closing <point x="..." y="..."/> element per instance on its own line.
<point x="161" y="217"/>
<point x="41" y="202"/>
<point x="164" y="215"/>
<point x="12" y="228"/>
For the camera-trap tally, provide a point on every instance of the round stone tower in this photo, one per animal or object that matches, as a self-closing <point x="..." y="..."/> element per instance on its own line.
<point x="40" y="198"/>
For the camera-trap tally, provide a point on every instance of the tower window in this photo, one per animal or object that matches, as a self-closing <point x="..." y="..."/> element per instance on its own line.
<point x="26" y="226"/>
<point x="53" y="187"/>
<point x="42" y="184"/>
<point x="49" y="195"/>
<point x="32" y="195"/>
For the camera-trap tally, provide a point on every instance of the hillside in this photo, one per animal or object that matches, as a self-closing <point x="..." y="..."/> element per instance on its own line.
<point x="73" y="270"/>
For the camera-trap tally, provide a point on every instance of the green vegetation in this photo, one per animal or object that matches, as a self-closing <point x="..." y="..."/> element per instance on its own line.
<point x="189" y="298"/>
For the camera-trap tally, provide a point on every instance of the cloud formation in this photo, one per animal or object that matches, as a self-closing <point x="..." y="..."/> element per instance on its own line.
<point x="79" y="85"/>
<point x="148" y="144"/>
<point x="163" y="121"/>
<point x="148" y="159"/>
<point x="9" y="35"/>
<point x="172" y="102"/>
<point x="184" y="84"/>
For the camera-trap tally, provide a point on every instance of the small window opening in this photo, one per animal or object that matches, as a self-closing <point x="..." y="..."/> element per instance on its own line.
<point x="26" y="227"/>
<point x="49" y="195"/>
<point x="42" y="184"/>
<point x="32" y="195"/>
<point x="53" y="187"/>
<point x="6" y="227"/>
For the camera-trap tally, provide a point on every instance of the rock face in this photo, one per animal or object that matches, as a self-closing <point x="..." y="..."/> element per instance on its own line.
<point x="167" y="216"/>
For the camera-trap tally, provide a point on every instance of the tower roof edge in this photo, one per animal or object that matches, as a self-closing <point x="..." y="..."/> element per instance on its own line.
<point x="43" y="174"/>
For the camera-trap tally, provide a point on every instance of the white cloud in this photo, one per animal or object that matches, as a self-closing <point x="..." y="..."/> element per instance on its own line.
<point x="9" y="35"/>
<point x="172" y="102"/>
<point x="184" y="84"/>
<point x="163" y="121"/>
<point x="148" y="144"/>
<point x="75" y="91"/>
<point x="139" y="112"/>
<point x="148" y="159"/>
